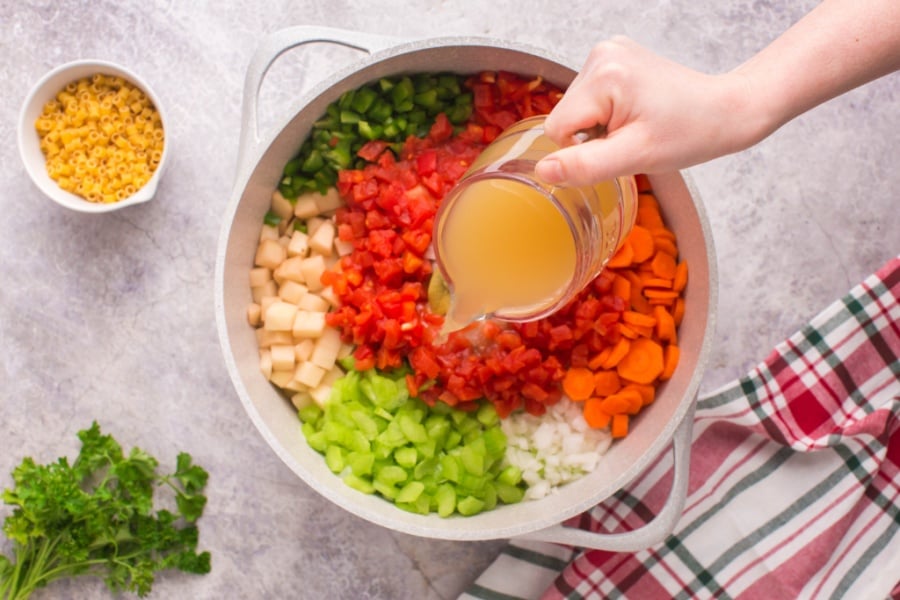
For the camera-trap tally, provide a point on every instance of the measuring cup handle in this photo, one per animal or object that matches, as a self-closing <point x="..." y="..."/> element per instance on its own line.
<point x="653" y="532"/>
<point x="274" y="46"/>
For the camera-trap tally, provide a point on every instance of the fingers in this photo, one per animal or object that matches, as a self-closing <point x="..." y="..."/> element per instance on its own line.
<point x="593" y="161"/>
<point x="593" y="95"/>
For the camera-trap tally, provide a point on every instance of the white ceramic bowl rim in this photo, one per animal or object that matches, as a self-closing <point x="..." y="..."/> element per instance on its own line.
<point x="29" y="142"/>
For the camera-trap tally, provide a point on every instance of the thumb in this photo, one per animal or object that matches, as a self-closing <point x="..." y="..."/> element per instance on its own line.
<point x="592" y="161"/>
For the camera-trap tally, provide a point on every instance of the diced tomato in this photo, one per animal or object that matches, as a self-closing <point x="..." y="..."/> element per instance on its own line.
<point x="372" y="150"/>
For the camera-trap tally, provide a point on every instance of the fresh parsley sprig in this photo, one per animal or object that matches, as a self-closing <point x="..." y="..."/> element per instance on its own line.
<point x="96" y="517"/>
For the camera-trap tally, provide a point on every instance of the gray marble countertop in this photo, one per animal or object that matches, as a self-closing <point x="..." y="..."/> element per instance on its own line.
<point x="111" y="317"/>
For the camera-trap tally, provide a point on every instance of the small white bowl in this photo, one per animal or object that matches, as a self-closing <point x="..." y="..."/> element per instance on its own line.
<point x="29" y="141"/>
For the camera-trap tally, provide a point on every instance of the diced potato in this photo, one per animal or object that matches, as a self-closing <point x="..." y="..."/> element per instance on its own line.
<point x="313" y="224"/>
<point x="313" y="302"/>
<point x="264" y="305"/>
<point x="282" y="378"/>
<point x="308" y="324"/>
<point x="301" y="400"/>
<point x="254" y="314"/>
<point x="305" y="206"/>
<point x="312" y="268"/>
<point x="322" y="241"/>
<point x="269" y="232"/>
<point x="270" y="254"/>
<point x="291" y="269"/>
<point x="327" y="347"/>
<point x="259" y="276"/>
<point x="282" y="357"/>
<point x="270" y="288"/>
<point x="265" y="338"/>
<point x="284" y="241"/>
<point x="322" y="392"/>
<point x="303" y="349"/>
<point x="309" y="374"/>
<point x="293" y="292"/>
<point x="330" y="201"/>
<point x="265" y="363"/>
<point x="327" y="294"/>
<point x="299" y="244"/>
<point x="281" y="206"/>
<point x="280" y="316"/>
<point x="342" y="247"/>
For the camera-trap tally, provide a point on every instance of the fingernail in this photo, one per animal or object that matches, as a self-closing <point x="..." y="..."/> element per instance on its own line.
<point x="550" y="170"/>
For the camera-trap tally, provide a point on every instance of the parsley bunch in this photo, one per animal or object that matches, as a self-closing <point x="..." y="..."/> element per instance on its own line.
<point x="96" y="517"/>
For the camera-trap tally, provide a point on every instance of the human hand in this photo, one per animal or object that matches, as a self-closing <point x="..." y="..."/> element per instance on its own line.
<point x="659" y="116"/>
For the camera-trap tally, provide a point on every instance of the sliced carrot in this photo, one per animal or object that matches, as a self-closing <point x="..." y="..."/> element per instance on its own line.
<point x="615" y="404"/>
<point x="657" y="282"/>
<point x="663" y="265"/>
<point x="621" y="287"/>
<point x="665" y="324"/>
<point x="618" y="352"/>
<point x="601" y="357"/>
<point x="671" y="354"/>
<point x="619" y="426"/>
<point x="642" y="363"/>
<point x="648" y="199"/>
<point x="664" y="245"/>
<point x="635" y="400"/>
<point x="633" y="332"/>
<point x="606" y="383"/>
<point x="678" y="311"/>
<point x="628" y="331"/>
<point x="623" y="257"/>
<point x="663" y="232"/>
<point x="681" y="274"/>
<point x="647" y="392"/>
<point x="648" y="216"/>
<point x="578" y="383"/>
<point x="641" y="243"/>
<point x="594" y="415"/>
<point x="635" y="318"/>
<point x="639" y="302"/>
<point x="652" y="293"/>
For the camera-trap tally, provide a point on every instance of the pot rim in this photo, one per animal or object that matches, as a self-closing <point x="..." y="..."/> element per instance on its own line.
<point x="433" y="526"/>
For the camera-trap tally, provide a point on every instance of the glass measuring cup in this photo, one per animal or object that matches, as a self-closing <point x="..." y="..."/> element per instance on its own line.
<point x="513" y="247"/>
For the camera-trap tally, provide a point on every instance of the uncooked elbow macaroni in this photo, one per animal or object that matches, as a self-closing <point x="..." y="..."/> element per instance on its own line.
<point x="102" y="138"/>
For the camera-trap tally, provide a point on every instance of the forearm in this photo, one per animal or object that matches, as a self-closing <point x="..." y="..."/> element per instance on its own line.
<point x="839" y="45"/>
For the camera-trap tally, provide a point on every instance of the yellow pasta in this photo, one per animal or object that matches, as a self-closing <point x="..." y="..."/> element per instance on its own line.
<point x="102" y="138"/>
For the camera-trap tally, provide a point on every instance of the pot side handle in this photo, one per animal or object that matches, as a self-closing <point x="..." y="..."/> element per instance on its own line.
<point x="274" y="46"/>
<point x="653" y="532"/>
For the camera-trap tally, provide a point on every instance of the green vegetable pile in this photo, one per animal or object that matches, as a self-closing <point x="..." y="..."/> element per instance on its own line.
<point x="96" y="517"/>
<point x="390" y="110"/>
<point x="423" y="458"/>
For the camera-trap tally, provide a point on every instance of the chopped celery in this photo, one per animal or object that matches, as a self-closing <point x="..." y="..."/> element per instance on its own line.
<point x="424" y="459"/>
<point x="469" y="505"/>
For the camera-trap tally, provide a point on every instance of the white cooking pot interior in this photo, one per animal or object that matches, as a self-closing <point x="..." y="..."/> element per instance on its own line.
<point x="273" y="415"/>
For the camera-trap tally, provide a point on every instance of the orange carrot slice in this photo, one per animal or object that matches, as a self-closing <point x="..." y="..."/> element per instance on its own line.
<point x="578" y="383"/>
<point x="642" y="363"/>
<point x="635" y="318"/>
<point x="671" y="354"/>
<point x="606" y="383"/>
<point x="594" y="415"/>
<point x="641" y="243"/>
<point x="617" y="353"/>
<point x="679" y="282"/>
<point x="619" y="426"/>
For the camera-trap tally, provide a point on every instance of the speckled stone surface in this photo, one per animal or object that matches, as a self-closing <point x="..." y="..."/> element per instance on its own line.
<point x="111" y="317"/>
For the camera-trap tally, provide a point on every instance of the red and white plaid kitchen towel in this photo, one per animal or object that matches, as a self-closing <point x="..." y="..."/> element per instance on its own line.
<point x="794" y="485"/>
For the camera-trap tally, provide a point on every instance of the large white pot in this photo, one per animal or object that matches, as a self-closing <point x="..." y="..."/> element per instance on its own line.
<point x="667" y="421"/>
